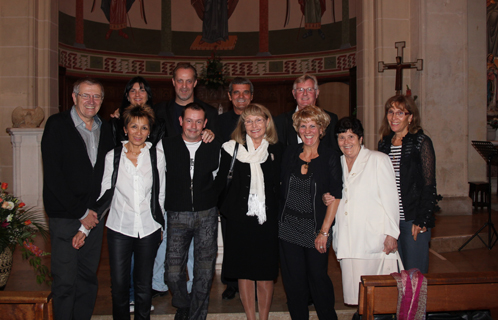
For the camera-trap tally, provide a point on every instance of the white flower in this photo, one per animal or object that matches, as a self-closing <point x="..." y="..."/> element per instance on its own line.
<point x="9" y="205"/>
<point x="9" y="217"/>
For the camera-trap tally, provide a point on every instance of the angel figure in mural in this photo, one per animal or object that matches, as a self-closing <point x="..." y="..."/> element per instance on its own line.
<point x="116" y="12"/>
<point x="214" y="15"/>
<point x="492" y="80"/>
<point x="312" y="11"/>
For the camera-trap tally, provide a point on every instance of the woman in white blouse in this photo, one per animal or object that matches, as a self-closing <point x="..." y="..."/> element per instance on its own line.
<point x="136" y="200"/>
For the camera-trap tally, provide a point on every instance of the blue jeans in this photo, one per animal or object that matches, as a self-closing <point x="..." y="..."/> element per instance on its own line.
<point x="202" y="226"/>
<point x="414" y="254"/>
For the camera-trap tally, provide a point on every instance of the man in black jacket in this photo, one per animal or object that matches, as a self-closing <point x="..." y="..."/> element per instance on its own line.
<point x="74" y="146"/>
<point x="191" y="212"/>
<point x="305" y="91"/>
<point x="184" y="81"/>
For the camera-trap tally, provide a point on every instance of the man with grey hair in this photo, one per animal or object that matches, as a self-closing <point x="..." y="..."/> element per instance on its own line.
<point x="74" y="146"/>
<point x="305" y="91"/>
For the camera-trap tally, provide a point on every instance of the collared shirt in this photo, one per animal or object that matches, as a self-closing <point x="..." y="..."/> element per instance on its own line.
<point x="130" y="212"/>
<point x="90" y="137"/>
<point x="298" y="137"/>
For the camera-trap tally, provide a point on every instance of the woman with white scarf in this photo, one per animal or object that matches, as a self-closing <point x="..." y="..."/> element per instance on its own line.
<point x="251" y="208"/>
<point x="309" y="170"/>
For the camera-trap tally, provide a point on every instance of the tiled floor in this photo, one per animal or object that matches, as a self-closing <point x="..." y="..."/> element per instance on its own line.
<point x="449" y="227"/>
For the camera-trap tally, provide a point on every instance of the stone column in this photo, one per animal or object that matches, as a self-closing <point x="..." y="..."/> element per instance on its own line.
<point x="79" y="42"/>
<point x="28" y="173"/>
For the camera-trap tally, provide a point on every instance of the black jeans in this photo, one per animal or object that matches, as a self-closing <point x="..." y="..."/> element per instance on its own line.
<point x="304" y="270"/>
<point x="121" y="248"/>
<point x="203" y="227"/>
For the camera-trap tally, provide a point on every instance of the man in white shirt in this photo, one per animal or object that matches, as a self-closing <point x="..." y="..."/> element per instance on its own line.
<point x="191" y="166"/>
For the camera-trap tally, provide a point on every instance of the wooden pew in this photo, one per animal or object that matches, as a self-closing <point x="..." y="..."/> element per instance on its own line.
<point x="26" y="305"/>
<point x="445" y="292"/>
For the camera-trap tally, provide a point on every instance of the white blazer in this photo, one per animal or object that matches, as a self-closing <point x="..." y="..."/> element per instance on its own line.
<point x="369" y="208"/>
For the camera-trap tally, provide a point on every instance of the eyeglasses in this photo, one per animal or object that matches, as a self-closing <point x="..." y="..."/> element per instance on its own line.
<point x="86" y="96"/>
<point x="309" y="90"/>
<point x="399" y="114"/>
<point x="257" y="122"/>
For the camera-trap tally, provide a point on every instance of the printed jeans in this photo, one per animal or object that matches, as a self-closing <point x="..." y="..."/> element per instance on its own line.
<point x="182" y="227"/>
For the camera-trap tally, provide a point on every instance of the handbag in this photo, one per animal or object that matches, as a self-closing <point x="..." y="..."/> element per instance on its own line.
<point x="224" y="193"/>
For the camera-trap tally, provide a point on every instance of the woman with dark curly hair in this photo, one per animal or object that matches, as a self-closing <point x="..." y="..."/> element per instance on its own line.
<point x="367" y="220"/>
<point x="414" y="162"/>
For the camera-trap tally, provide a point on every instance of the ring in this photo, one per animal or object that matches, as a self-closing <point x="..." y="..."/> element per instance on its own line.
<point x="422" y="231"/>
<point x="321" y="247"/>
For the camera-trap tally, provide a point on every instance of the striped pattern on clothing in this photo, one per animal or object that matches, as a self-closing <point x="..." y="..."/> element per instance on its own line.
<point x="395" y="156"/>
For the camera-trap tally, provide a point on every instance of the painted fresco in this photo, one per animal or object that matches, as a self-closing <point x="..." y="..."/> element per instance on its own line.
<point x="492" y="57"/>
<point x="196" y="27"/>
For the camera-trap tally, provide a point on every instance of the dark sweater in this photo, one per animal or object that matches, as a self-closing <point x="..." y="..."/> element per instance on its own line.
<point x="178" y="192"/>
<point x="326" y="177"/>
<point x="417" y="177"/>
<point x="70" y="183"/>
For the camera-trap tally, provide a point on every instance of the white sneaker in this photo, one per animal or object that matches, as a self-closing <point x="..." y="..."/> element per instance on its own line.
<point x="132" y="307"/>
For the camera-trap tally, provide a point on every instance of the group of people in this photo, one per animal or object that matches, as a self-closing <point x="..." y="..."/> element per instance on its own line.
<point x="284" y="193"/>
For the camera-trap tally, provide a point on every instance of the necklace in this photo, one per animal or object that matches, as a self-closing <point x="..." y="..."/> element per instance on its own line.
<point x="306" y="166"/>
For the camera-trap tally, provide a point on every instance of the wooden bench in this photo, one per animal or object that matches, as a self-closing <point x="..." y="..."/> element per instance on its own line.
<point x="445" y="292"/>
<point x="26" y="305"/>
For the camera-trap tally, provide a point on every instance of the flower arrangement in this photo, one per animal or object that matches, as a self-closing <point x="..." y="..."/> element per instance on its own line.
<point x="493" y="123"/>
<point x="212" y="75"/>
<point x="18" y="226"/>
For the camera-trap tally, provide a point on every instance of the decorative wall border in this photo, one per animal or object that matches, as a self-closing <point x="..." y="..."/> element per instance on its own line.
<point x="334" y="63"/>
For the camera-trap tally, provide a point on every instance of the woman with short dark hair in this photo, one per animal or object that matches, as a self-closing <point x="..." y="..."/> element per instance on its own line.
<point x="367" y="219"/>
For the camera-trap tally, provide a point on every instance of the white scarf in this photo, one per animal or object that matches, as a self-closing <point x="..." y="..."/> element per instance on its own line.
<point x="256" y="202"/>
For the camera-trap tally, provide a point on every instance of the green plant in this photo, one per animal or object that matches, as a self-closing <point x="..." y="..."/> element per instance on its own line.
<point x="19" y="226"/>
<point x="212" y="75"/>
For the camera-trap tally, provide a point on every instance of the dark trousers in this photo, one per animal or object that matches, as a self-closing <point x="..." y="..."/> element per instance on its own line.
<point x="74" y="272"/>
<point x="228" y="281"/>
<point x="182" y="227"/>
<point x="304" y="271"/>
<point x="121" y="249"/>
<point x="414" y="254"/>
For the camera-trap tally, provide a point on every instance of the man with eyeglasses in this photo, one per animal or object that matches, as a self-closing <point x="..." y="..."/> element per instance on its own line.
<point x="74" y="146"/>
<point x="305" y="91"/>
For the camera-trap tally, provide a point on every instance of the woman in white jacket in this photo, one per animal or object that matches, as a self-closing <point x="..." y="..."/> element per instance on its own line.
<point x="367" y="221"/>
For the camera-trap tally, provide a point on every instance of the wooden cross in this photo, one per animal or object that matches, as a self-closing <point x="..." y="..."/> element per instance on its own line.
<point x="399" y="66"/>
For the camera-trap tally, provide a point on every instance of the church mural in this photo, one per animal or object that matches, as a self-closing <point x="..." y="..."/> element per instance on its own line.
<point x="492" y="57"/>
<point x="196" y="27"/>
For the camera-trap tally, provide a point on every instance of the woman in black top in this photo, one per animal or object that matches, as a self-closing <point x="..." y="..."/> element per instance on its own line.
<point x="309" y="170"/>
<point x="251" y="208"/>
<point x="414" y="162"/>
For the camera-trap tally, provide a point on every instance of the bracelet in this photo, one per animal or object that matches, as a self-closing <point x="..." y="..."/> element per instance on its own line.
<point x="323" y="233"/>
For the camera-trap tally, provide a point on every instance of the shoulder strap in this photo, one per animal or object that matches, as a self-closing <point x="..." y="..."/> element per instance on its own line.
<point x="234" y="157"/>
<point x="117" y="157"/>
<point x="155" y="208"/>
